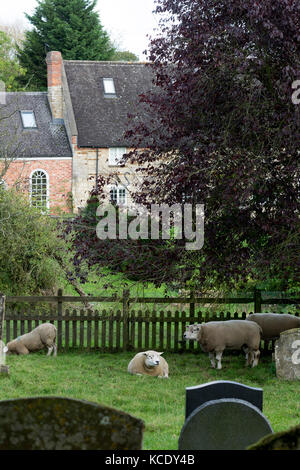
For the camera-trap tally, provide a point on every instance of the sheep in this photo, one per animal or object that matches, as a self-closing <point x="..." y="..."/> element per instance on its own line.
<point x="149" y="363"/>
<point x="215" y="336"/>
<point x="42" y="336"/>
<point x="272" y="324"/>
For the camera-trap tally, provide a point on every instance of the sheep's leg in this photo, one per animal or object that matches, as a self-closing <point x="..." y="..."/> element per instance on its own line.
<point x="256" y="355"/>
<point x="212" y="359"/>
<point x="21" y="349"/>
<point x="249" y="356"/>
<point x="55" y="350"/>
<point x="218" y="358"/>
<point x="50" y="349"/>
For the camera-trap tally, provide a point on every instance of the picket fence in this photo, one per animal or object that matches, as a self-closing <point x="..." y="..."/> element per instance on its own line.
<point x="121" y="328"/>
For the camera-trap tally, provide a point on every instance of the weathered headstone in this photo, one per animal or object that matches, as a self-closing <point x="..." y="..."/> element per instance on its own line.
<point x="2" y="314"/>
<point x="4" y="369"/>
<point x="56" y="423"/>
<point x="287" y="355"/>
<point x="284" y="440"/>
<point x="224" y="424"/>
<point x="196" y="396"/>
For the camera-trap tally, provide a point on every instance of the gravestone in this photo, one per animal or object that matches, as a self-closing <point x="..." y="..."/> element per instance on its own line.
<point x="287" y="355"/>
<point x="223" y="415"/>
<point x="224" y="424"/>
<point x="4" y="370"/>
<point x="57" y="423"/>
<point x="196" y="396"/>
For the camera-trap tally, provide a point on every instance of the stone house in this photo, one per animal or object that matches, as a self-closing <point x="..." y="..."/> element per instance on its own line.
<point x="64" y="138"/>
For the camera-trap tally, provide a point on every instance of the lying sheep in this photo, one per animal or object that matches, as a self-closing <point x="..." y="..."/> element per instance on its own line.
<point x="149" y="363"/>
<point x="42" y="336"/>
<point x="272" y="324"/>
<point x="215" y="336"/>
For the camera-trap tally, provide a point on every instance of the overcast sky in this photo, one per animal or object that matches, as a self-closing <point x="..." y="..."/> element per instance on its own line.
<point x="127" y="21"/>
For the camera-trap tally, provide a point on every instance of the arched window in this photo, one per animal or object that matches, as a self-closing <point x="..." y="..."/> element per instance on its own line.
<point x="39" y="190"/>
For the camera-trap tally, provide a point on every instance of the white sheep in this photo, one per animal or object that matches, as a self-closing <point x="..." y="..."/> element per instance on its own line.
<point x="149" y="363"/>
<point x="215" y="336"/>
<point x="43" y="336"/>
<point x="272" y="324"/>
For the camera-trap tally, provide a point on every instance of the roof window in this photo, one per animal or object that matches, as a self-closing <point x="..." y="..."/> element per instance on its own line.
<point x="28" y="119"/>
<point x="109" y="86"/>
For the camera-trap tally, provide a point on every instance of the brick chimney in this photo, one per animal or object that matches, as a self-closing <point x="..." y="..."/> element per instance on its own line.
<point x="54" y="73"/>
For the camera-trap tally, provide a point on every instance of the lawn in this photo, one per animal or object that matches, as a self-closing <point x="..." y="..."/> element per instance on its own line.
<point x="160" y="403"/>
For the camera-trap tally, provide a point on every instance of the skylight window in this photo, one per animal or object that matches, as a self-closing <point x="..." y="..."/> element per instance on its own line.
<point x="109" y="86"/>
<point x="28" y="119"/>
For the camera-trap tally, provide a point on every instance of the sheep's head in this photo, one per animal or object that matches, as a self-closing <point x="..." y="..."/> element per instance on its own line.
<point x="152" y="358"/>
<point x="192" y="332"/>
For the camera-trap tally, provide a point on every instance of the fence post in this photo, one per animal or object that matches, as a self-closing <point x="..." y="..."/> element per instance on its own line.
<point x="59" y="314"/>
<point x="2" y="314"/>
<point x="192" y="304"/>
<point x="257" y="301"/>
<point x="125" y="302"/>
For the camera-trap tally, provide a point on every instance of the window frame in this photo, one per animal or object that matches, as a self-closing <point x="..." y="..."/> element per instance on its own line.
<point x="110" y="81"/>
<point x="116" y="162"/>
<point x="28" y="111"/>
<point x="117" y="188"/>
<point x="47" y="190"/>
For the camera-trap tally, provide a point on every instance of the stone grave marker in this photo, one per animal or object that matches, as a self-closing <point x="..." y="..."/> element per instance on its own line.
<point x="287" y="355"/>
<point x="57" y="423"/>
<point x="223" y="415"/>
<point x="196" y="396"/>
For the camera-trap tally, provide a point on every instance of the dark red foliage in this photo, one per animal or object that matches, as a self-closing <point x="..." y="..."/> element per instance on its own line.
<point x="221" y="130"/>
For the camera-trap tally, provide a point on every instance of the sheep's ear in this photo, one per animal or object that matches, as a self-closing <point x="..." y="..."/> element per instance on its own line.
<point x="160" y="353"/>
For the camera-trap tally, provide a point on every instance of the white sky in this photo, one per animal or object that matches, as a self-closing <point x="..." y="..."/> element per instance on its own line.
<point x="127" y="21"/>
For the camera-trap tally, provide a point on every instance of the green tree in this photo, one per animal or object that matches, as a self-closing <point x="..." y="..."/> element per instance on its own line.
<point x="10" y="69"/>
<point x="125" y="56"/>
<point x="71" y="27"/>
<point x="31" y="253"/>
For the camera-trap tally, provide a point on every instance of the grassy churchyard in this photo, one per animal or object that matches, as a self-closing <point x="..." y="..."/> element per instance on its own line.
<point x="160" y="403"/>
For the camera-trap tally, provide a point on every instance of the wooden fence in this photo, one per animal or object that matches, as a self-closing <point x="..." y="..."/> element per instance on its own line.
<point x="120" y="328"/>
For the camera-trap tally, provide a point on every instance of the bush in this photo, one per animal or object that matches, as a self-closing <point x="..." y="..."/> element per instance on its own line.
<point x="29" y="246"/>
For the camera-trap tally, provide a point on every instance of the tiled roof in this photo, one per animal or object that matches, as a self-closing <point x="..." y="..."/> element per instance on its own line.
<point x="48" y="139"/>
<point x="101" y="120"/>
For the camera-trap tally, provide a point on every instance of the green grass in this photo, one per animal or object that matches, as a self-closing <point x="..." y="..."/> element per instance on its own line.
<point x="160" y="403"/>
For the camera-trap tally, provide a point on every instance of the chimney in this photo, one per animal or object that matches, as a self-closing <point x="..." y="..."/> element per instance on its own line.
<point x="54" y="74"/>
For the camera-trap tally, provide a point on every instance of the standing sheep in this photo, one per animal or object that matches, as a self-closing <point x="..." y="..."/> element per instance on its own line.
<point x="215" y="336"/>
<point x="43" y="336"/>
<point x="272" y="324"/>
<point x="149" y="363"/>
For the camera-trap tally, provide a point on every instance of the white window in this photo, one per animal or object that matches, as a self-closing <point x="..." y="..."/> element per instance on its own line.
<point x="118" y="195"/>
<point x="28" y="119"/>
<point x="109" y="86"/>
<point x="116" y="155"/>
<point x="39" y="190"/>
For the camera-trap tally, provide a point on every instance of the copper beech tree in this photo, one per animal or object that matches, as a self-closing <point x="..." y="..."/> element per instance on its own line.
<point x="220" y="128"/>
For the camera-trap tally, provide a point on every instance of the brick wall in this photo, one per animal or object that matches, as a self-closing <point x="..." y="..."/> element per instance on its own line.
<point x="60" y="179"/>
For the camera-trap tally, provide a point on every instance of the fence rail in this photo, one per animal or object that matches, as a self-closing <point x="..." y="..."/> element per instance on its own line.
<point x="122" y="328"/>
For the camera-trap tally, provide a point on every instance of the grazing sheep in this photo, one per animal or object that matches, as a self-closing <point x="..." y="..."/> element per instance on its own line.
<point x="272" y="324"/>
<point x="215" y="336"/>
<point x="42" y="336"/>
<point x="149" y="363"/>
